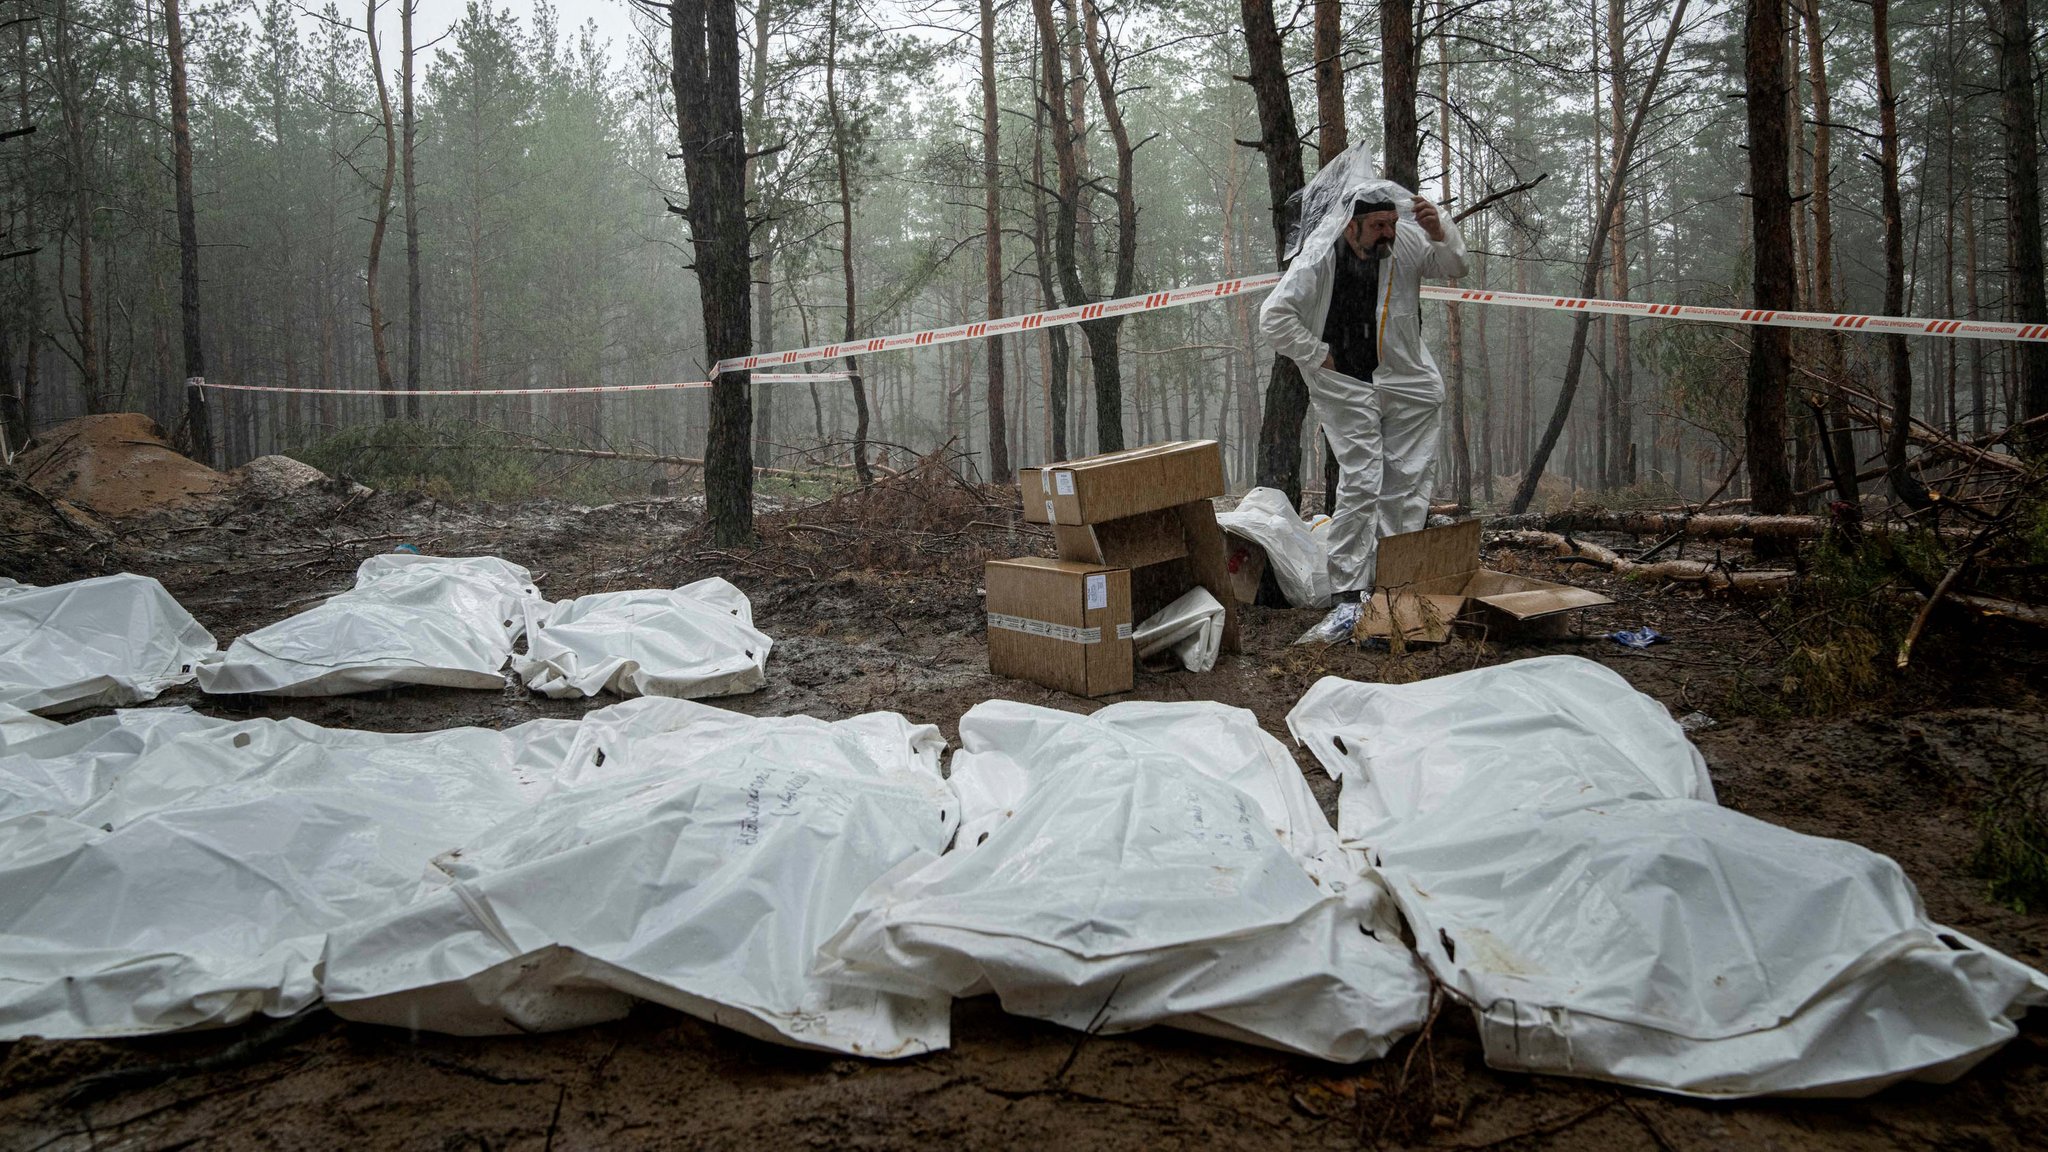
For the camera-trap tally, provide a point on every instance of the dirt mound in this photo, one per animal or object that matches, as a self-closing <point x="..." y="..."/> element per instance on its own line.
<point x="116" y="465"/>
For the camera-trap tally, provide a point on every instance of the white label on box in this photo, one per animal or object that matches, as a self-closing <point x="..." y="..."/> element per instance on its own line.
<point x="1045" y="481"/>
<point x="1050" y="516"/>
<point x="1123" y="631"/>
<point x="1098" y="591"/>
<point x="1064" y="481"/>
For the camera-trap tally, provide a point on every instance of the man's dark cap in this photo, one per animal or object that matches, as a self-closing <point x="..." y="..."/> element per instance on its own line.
<point x="1368" y="207"/>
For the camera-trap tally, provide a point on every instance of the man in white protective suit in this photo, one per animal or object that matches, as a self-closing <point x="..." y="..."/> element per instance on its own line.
<point x="1348" y="311"/>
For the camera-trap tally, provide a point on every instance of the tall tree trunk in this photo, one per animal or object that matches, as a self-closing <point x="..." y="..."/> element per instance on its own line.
<point x="24" y="414"/>
<point x="1454" y="327"/>
<point x="1840" y="435"/>
<point x="1980" y="409"/>
<point x="992" y="223"/>
<point x="1575" y="360"/>
<point x="1280" y="142"/>
<point x="1056" y="349"/>
<point x="413" y="321"/>
<point x="845" y="168"/>
<point x="1899" y="352"/>
<point x="1103" y="334"/>
<point x="1332" y="133"/>
<point x="2020" y="113"/>
<point x="705" y="76"/>
<point x="1770" y="200"/>
<point x="197" y="423"/>
<point x="764" y="267"/>
<point x="1398" y="56"/>
<point x="1332" y="137"/>
<point x="383" y="212"/>
<point x="1621" y="411"/>
<point x="85" y="325"/>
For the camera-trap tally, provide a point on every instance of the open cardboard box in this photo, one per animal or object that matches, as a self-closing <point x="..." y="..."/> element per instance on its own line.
<point x="1429" y="582"/>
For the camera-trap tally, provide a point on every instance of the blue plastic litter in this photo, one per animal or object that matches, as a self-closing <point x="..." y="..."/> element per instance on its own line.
<point x="407" y="548"/>
<point x="1640" y="638"/>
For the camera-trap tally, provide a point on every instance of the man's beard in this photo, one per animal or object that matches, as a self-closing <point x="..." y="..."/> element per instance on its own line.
<point x="1383" y="249"/>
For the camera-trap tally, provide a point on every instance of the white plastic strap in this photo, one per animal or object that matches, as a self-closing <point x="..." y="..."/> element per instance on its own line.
<point x="1067" y="632"/>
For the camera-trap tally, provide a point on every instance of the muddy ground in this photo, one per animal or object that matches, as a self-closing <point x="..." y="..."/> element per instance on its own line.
<point x="876" y="607"/>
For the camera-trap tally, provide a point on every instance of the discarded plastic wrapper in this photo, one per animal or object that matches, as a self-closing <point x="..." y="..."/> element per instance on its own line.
<point x="1192" y="627"/>
<point x="106" y="641"/>
<point x="1639" y="638"/>
<point x="409" y="620"/>
<point x="1549" y="833"/>
<point x="695" y="641"/>
<point x="1296" y="555"/>
<point x="1340" y="625"/>
<point x="1151" y="864"/>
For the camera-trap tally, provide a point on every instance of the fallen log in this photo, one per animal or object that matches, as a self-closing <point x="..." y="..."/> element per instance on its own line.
<point x="1708" y="575"/>
<point x="1716" y="578"/>
<point x="1656" y="522"/>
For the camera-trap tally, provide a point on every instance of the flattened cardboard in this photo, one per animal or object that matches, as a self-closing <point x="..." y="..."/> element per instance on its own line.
<point x="1118" y="484"/>
<point x="1055" y="595"/>
<point x="1428" y="581"/>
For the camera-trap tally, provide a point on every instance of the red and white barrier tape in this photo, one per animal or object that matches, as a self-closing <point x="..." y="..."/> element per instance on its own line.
<point x="759" y="378"/>
<point x="981" y="329"/>
<point x="1154" y="301"/>
<point x="1177" y="297"/>
<point x="1903" y="325"/>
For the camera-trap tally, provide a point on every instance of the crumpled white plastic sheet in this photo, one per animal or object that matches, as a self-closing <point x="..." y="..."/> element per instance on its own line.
<point x="1191" y="627"/>
<point x="1149" y="864"/>
<point x="695" y="641"/>
<point x="689" y="856"/>
<point x="1297" y="555"/>
<point x="103" y="642"/>
<point x="1553" y="839"/>
<point x="409" y="620"/>
<point x="196" y="882"/>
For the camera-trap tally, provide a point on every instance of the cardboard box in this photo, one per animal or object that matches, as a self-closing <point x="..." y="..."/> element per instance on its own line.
<point x="1168" y="552"/>
<point x="1062" y="624"/>
<point x="1429" y="582"/>
<point x="1119" y="484"/>
<point x="1129" y="542"/>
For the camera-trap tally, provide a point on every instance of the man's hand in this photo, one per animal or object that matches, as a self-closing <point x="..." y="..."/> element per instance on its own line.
<point x="1330" y="363"/>
<point x="1426" y="216"/>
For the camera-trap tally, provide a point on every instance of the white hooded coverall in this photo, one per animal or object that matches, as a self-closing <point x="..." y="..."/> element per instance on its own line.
<point x="1384" y="432"/>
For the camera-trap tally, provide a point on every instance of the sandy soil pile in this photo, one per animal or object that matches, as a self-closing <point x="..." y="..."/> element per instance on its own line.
<point x="116" y="465"/>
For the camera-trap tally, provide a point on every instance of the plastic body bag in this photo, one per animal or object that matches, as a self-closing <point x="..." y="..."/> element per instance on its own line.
<point x="1191" y="628"/>
<point x="1553" y="839"/>
<point x="1150" y="864"/>
<point x="196" y="882"/>
<point x="695" y="641"/>
<point x="1296" y="555"/>
<point x="689" y="856"/>
<point x="409" y="620"/>
<point x="107" y="641"/>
